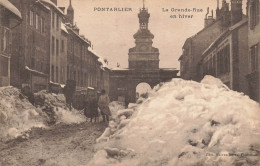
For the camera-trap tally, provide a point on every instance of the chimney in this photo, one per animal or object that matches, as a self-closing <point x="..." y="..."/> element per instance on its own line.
<point x="62" y="9"/>
<point x="55" y="2"/>
<point x="208" y="19"/>
<point x="236" y="11"/>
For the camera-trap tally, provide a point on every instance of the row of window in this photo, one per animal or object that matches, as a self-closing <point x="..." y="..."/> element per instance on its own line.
<point x="82" y="78"/>
<point x="36" y="21"/>
<point x="55" y="48"/>
<point x="219" y="63"/>
<point x="55" y="21"/>
<point x="81" y="51"/>
<point x="60" y="73"/>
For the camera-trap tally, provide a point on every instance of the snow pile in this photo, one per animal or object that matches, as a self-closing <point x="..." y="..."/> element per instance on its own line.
<point x="186" y="123"/>
<point x="43" y="98"/>
<point x="55" y="107"/>
<point x="114" y="122"/>
<point x="69" y="116"/>
<point x="17" y="114"/>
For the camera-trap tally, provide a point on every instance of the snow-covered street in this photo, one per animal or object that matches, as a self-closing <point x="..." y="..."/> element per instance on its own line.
<point x="180" y="123"/>
<point x="59" y="145"/>
<point x="184" y="123"/>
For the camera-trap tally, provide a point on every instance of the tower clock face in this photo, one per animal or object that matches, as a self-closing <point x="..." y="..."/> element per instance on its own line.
<point x="143" y="48"/>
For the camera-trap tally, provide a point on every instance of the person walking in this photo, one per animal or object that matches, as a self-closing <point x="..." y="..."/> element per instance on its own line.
<point x="91" y="106"/>
<point x="103" y="103"/>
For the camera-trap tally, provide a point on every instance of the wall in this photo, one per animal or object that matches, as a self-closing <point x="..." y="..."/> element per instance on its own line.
<point x="30" y="44"/>
<point x="55" y="36"/>
<point x="63" y="58"/>
<point x="253" y="39"/>
<point x="243" y="58"/>
<point x="193" y="51"/>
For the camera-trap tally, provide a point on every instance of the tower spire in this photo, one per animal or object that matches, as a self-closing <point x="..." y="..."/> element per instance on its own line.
<point x="70" y="14"/>
<point x="143" y="5"/>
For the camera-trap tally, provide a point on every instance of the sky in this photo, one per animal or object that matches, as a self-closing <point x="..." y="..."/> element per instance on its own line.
<point x="111" y="33"/>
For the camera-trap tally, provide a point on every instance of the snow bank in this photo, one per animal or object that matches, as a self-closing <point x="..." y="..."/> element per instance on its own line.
<point x="59" y="113"/>
<point x="69" y="117"/>
<point x="17" y="114"/>
<point x="186" y="123"/>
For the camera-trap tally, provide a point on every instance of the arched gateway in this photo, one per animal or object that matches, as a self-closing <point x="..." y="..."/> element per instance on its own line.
<point x="143" y="65"/>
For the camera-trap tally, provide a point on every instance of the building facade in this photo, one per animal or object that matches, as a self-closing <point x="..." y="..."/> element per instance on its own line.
<point x="30" y="53"/>
<point x="227" y="57"/>
<point x="83" y="63"/>
<point x="10" y="17"/>
<point x="56" y="15"/>
<point x="253" y="49"/>
<point x="47" y="49"/>
<point x="143" y="65"/>
<point x="195" y="45"/>
<point x="143" y="55"/>
<point x="63" y="54"/>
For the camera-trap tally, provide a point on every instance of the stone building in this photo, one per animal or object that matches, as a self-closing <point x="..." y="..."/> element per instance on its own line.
<point x="63" y="54"/>
<point x="143" y="55"/>
<point x="82" y="62"/>
<point x="55" y="39"/>
<point x="253" y="49"/>
<point x="195" y="45"/>
<point x="10" y="17"/>
<point x="30" y="53"/>
<point x="226" y="57"/>
<point x="143" y="65"/>
<point x="93" y="67"/>
<point x="78" y="57"/>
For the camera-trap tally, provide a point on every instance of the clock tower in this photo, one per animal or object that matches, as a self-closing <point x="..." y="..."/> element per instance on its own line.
<point x="143" y="55"/>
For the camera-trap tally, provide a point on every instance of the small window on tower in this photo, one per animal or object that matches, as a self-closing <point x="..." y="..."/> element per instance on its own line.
<point x="143" y="26"/>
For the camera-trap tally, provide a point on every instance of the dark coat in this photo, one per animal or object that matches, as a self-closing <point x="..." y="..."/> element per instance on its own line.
<point x="91" y="109"/>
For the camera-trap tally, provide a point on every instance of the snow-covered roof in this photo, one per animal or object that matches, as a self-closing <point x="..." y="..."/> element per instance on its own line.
<point x="228" y="31"/>
<point x="46" y="7"/>
<point x="53" y="5"/>
<point x="8" y="5"/>
<point x="118" y="68"/>
<point x="84" y="39"/>
<point x="55" y="83"/>
<point x="168" y="69"/>
<point x="64" y="28"/>
<point x="35" y="71"/>
<point x="92" y="51"/>
<point x="91" y="88"/>
<point x="104" y="64"/>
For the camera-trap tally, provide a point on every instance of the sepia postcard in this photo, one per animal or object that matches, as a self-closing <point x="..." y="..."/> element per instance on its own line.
<point x="129" y="83"/>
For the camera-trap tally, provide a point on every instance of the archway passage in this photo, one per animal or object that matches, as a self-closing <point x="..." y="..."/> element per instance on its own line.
<point x="142" y="89"/>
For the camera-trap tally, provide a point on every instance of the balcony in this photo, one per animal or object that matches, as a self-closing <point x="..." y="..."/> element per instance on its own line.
<point x="5" y="41"/>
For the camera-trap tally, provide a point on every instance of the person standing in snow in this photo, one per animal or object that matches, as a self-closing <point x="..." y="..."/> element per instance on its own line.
<point x="103" y="105"/>
<point x="91" y="106"/>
